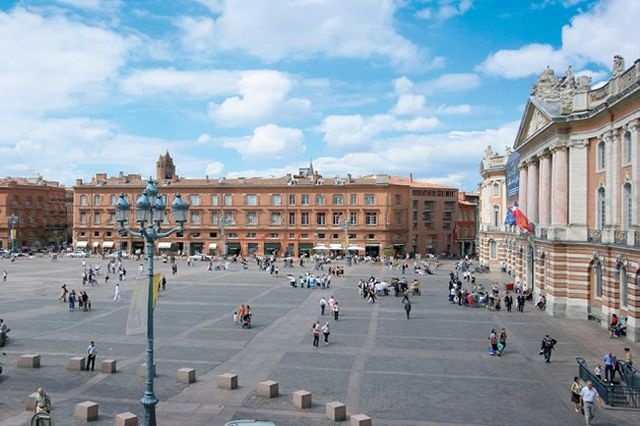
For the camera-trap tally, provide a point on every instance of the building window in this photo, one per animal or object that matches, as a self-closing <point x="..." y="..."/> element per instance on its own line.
<point x="369" y="199"/>
<point x="304" y="236"/>
<point x="353" y="199"/>
<point x="232" y="235"/>
<point x="338" y="199"/>
<point x="371" y="236"/>
<point x="371" y="218"/>
<point x="321" y="219"/>
<point x="195" y="218"/>
<point x="96" y="218"/>
<point x="624" y="288"/>
<point x="228" y="218"/>
<point x="493" y="249"/>
<point x="292" y="199"/>
<point x="496" y="215"/>
<point x="213" y="235"/>
<point x="252" y="218"/>
<point x="276" y="199"/>
<point x="276" y="218"/>
<point x="292" y="235"/>
<point x="194" y="199"/>
<point x="215" y="218"/>
<point x="273" y="235"/>
<point x="353" y="218"/>
<point x="626" y="148"/>
<point x="601" y="155"/>
<point x="228" y="200"/>
<point x="251" y="200"/>
<point x="97" y="200"/>
<point x="112" y="217"/>
<point x="83" y="200"/>
<point x="215" y="200"/>
<point x="601" y="206"/>
<point x="304" y="199"/>
<point x="597" y="278"/>
<point x="319" y="200"/>
<point x="83" y="218"/>
<point x="398" y="199"/>
<point x="337" y="217"/>
<point x="398" y="219"/>
<point x="304" y="218"/>
<point x="251" y="234"/>
<point x="627" y="203"/>
<point x="496" y="189"/>
<point x="292" y="218"/>
<point x="321" y="236"/>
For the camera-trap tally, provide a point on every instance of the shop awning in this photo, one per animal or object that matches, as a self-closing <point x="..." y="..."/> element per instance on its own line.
<point x="355" y="248"/>
<point x="164" y="245"/>
<point x="320" y="247"/>
<point x="372" y="245"/>
<point x="81" y="244"/>
<point x="213" y="246"/>
<point x="95" y="244"/>
<point x="107" y="244"/>
<point x="335" y="246"/>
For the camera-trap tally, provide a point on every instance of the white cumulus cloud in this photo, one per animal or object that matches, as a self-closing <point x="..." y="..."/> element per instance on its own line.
<point x="263" y="96"/>
<point x="268" y="142"/>
<point x="445" y="9"/>
<point x="197" y="84"/>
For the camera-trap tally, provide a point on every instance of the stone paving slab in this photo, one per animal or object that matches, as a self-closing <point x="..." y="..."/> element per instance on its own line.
<point x="430" y="370"/>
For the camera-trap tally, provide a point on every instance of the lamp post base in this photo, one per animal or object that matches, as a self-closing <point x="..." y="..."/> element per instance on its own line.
<point x="149" y="404"/>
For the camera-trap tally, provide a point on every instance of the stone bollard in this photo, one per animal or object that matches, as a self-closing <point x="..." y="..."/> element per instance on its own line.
<point x="87" y="411"/>
<point x="268" y="389"/>
<point x="126" y="419"/>
<point x="302" y="399"/>
<point x="227" y="381"/>
<point x="360" y="420"/>
<point x="76" y="363"/>
<point x="29" y="361"/>
<point x="142" y="370"/>
<point x="187" y="375"/>
<point x="336" y="411"/>
<point x="108" y="366"/>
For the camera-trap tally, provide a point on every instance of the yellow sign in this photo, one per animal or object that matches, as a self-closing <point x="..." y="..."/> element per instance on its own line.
<point x="156" y="289"/>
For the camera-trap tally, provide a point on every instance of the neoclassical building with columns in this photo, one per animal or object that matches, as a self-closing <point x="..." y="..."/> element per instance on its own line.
<point x="574" y="170"/>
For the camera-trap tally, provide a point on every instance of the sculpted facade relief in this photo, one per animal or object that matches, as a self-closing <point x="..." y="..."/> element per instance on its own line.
<point x="536" y="122"/>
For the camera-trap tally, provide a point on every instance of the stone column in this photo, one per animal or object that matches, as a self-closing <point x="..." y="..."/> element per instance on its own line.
<point x="532" y="191"/>
<point x="522" y="190"/>
<point x="545" y="189"/>
<point x="578" y="184"/>
<point x="611" y="150"/>
<point x="635" y="170"/>
<point x="559" y="190"/>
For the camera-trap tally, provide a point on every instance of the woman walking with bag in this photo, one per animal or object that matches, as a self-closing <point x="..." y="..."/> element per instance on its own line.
<point x="575" y="393"/>
<point x="315" y="330"/>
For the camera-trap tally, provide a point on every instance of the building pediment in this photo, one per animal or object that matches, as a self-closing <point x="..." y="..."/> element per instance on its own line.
<point x="536" y="117"/>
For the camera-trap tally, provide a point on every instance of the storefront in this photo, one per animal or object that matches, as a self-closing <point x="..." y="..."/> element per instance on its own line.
<point x="252" y="249"/>
<point x="212" y="248"/>
<point x="372" y="249"/>
<point x="305" y="249"/>
<point x="272" y="248"/>
<point x="196" y="248"/>
<point x="233" y="249"/>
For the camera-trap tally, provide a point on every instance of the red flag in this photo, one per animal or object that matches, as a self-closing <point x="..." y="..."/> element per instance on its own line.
<point x="521" y="220"/>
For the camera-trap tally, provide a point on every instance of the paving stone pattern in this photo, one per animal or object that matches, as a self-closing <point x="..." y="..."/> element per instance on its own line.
<point x="431" y="370"/>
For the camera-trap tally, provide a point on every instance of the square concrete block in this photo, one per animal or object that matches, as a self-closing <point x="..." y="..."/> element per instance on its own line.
<point x="76" y="363"/>
<point x="126" y="419"/>
<point x="268" y="389"/>
<point x="29" y="361"/>
<point x="108" y="366"/>
<point x="142" y="370"/>
<point x="87" y="411"/>
<point x="302" y="399"/>
<point x="336" y="411"/>
<point x="31" y="403"/>
<point x="360" y="420"/>
<point x="187" y="375"/>
<point x="227" y="381"/>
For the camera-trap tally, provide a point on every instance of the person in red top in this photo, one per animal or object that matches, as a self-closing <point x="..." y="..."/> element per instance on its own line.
<point x="612" y="325"/>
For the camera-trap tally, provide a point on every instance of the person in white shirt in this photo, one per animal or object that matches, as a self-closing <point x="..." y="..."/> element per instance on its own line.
<point x="589" y="397"/>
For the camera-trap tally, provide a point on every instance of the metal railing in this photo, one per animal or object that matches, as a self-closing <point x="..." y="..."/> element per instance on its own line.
<point x="623" y="395"/>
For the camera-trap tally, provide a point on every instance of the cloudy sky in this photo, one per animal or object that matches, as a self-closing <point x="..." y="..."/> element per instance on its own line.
<point x="261" y="87"/>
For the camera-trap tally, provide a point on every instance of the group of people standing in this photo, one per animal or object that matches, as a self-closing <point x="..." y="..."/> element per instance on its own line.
<point x="72" y="298"/>
<point x="331" y="306"/>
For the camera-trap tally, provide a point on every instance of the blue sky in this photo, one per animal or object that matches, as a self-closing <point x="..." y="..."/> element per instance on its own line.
<point x="261" y="87"/>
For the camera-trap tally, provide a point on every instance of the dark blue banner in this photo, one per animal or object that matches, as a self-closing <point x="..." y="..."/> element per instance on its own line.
<point x="512" y="177"/>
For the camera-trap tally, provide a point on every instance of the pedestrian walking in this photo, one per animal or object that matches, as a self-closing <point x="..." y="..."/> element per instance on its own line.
<point x="336" y="311"/>
<point x="323" y="305"/>
<point x="63" y="294"/>
<point x="163" y="282"/>
<point x="235" y="318"/>
<point x="502" y="340"/>
<point x="116" y="294"/>
<point x="326" y="331"/>
<point x="546" y="347"/>
<point x="609" y="362"/>
<point x="72" y="300"/>
<point x="4" y="276"/>
<point x="589" y="397"/>
<point x="91" y="356"/>
<point x="493" y="342"/>
<point x="508" y="302"/>
<point x="43" y="402"/>
<point x="407" y="307"/>
<point x="575" y="393"/>
<point x="628" y="356"/>
<point x="315" y="331"/>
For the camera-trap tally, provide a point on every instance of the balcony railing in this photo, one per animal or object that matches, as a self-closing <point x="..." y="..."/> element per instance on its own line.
<point x="594" y="235"/>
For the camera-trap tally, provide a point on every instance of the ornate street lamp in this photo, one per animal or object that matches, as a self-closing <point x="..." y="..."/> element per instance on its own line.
<point x="150" y="214"/>
<point x="13" y="223"/>
<point x="224" y="221"/>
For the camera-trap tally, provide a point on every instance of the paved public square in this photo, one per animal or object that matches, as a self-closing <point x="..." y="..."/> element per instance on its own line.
<point x="431" y="370"/>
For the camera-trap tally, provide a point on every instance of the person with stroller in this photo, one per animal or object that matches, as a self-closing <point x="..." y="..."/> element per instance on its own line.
<point x="246" y="318"/>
